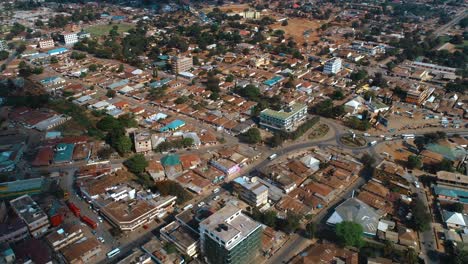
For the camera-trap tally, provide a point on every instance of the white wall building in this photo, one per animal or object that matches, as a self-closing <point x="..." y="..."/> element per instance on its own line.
<point x="332" y="66"/>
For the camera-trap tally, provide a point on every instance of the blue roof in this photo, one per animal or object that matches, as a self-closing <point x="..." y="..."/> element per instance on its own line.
<point x="57" y="50"/>
<point x="446" y="191"/>
<point x="48" y="79"/>
<point x="159" y="83"/>
<point x="163" y="57"/>
<point x="118" y="17"/>
<point x="65" y="154"/>
<point x="118" y="84"/>
<point x="273" y="80"/>
<point x="173" y="125"/>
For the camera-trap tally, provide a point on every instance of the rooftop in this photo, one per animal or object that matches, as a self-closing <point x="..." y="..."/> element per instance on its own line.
<point x="282" y="114"/>
<point x="251" y="184"/>
<point x="229" y="223"/>
<point x="27" y="209"/>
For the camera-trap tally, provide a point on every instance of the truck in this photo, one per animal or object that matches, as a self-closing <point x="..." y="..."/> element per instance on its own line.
<point x="407" y="136"/>
<point x="89" y="222"/>
<point x="273" y="156"/>
<point x="75" y="210"/>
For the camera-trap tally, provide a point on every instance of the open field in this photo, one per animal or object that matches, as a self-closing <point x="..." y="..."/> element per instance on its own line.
<point x="103" y="29"/>
<point x="296" y="28"/>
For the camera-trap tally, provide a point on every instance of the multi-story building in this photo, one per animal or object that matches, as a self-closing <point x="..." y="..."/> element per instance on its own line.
<point x="69" y="38"/>
<point x="64" y="236"/>
<point x="28" y="210"/>
<point x="229" y="236"/>
<point x="128" y="217"/>
<point x="142" y="141"/>
<point x="82" y="251"/>
<point x="285" y="119"/>
<point x="332" y="66"/>
<point x="12" y="229"/>
<point x="251" y="191"/>
<point x="3" y="45"/>
<point x="46" y="44"/>
<point x="417" y="94"/>
<point x="181" y="64"/>
<point x="182" y="237"/>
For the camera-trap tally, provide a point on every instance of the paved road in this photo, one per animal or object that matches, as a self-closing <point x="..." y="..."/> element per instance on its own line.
<point x="458" y="17"/>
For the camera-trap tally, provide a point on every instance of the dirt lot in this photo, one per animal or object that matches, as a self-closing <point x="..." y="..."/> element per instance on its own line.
<point x="296" y="28"/>
<point x="395" y="149"/>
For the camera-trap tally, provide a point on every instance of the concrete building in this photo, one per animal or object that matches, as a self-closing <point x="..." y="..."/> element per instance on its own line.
<point x="46" y="44"/>
<point x="229" y="236"/>
<point x="418" y="94"/>
<point x="12" y="229"/>
<point x="251" y="191"/>
<point x="69" y="38"/>
<point x="285" y="119"/>
<point x="64" y="236"/>
<point x="181" y="64"/>
<point x="332" y="66"/>
<point x="3" y="45"/>
<point x="28" y="210"/>
<point x="82" y="251"/>
<point x="182" y="237"/>
<point x="128" y="217"/>
<point x="142" y="141"/>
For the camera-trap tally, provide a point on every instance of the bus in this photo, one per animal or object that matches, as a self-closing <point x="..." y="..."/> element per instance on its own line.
<point x="113" y="253"/>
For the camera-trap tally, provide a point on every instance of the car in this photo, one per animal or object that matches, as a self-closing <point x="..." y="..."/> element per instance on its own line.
<point x="216" y="198"/>
<point x="145" y="227"/>
<point x="101" y="239"/>
<point x="416" y="184"/>
<point x="100" y="219"/>
<point x="216" y="190"/>
<point x="201" y="204"/>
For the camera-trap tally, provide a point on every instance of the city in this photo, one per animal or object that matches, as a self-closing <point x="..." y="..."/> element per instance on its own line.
<point x="244" y="131"/>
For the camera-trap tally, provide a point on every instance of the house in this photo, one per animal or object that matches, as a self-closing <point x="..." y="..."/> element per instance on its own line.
<point x="155" y="170"/>
<point x="455" y="220"/>
<point x="407" y="237"/>
<point x="356" y="211"/>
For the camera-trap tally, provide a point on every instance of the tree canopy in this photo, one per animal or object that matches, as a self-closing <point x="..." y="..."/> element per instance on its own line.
<point x="349" y="234"/>
<point x="136" y="164"/>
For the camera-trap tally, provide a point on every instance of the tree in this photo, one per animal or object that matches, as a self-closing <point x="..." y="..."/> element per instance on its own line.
<point x="111" y="93"/>
<point x="414" y="162"/>
<point x="311" y="229"/>
<point x="292" y="222"/>
<point x="284" y="23"/>
<point x="410" y="256"/>
<point x="368" y="160"/>
<point x="444" y="165"/>
<point x="269" y="218"/>
<point x="123" y="144"/>
<point x="4" y="54"/>
<point x="421" y="218"/>
<point x="457" y="207"/>
<point x="53" y="59"/>
<point x="337" y="95"/>
<point x="349" y="234"/>
<point x="136" y="164"/>
<point x="359" y="75"/>
<point x="108" y="123"/>
<point x="121" y="68"/>
<point x="92" y="67"/>
<point x="251" y="136"/>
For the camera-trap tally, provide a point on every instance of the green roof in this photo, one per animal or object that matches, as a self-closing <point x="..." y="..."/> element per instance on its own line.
<point x="283" y="114"/>
<point x="64" y="152"/>
<point x="170" y="160"/>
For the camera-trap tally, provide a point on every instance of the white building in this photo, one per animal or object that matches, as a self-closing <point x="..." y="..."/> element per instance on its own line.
<point x="30" y="212"/>
<point x="3" y="45"/>
<point x="332" y="66"/>
<point x="69" y="38"/>
<point x="251" y="191"/>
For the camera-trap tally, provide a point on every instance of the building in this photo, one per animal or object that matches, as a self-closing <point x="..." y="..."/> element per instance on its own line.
<point x="181" y="64"/>
<point x="10" y="155"/>
<point x="64" y="236"/>
<point x="356" y="211"/>
<point x="12" y="229"/>
<point x="251" y="191"/>
<point x="132" y="214"/>
<point x="83" y="251"/>
<point x="452" y="179"/>
<point x="28" y="210"/>
<point x="3" y="45"/>
<point x="418" y="94"/>
<point x="332" y="66"/>
<point x="285" y="119"/>
<point x="229" y="236"/>
<point x="69" y="38"/>
<point x="46" y="44"/>
<point x="184" y="238"/>
<point x="142" y="141"/>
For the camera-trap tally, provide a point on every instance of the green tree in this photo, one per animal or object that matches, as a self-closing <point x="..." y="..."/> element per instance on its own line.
<point x="92" y="67"/>
<point x="337" y="95"/>
<point x="121" y="68"/>
<point x="53" y="59"/>
<point x="108" y="123"/>
<point x="445" y="165"/>
<point x="110" y="93"/>
<point x="4" y="54"/>
<point x="311" y="229"/>
<point x="410" y="256"/>
<point x="421" y="217"/>
<point x="136" y="164"/>
<point x="269" y="218"/>
<point x="457" y="207"/>
<point x="292" y="222"/>
<point x="349" y="234"/>
<point x="414" y="162"/>
<point x="251" y="136"/>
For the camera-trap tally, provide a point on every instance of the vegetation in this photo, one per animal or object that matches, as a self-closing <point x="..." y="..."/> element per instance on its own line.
<point x="414" y="162"/>
<point x="174" y="144"/>
<point x="252" y="136"/>
<point x="280" y="136"/>
<point x="349" y="234"/>
<point x="311" y="230"/>
<point x="136" y="164"/>
<point x="421" y="218"/>
<point x="356" y="123"/>
<point x="168" y="187"/>
<point x="327" y="109"/>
